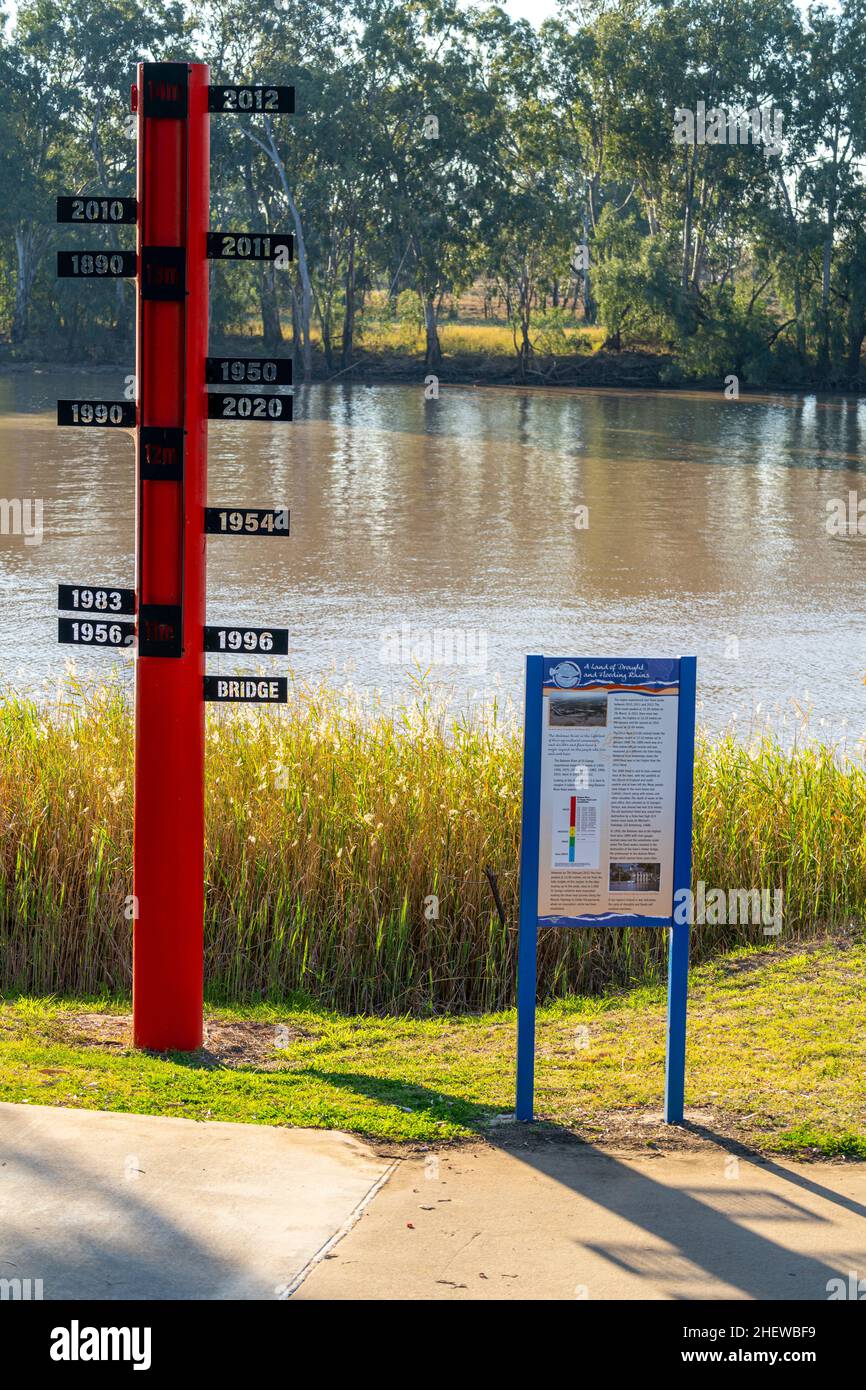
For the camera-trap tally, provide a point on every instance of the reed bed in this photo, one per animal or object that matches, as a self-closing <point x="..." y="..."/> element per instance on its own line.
<point x="346" y="850"/>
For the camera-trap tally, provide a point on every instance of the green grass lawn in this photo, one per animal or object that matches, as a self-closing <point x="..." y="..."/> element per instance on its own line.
<point x="776" y="1060"/>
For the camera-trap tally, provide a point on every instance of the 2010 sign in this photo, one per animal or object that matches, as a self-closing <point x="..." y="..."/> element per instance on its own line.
<point x="238" y="101"/>
<point x="97" y="210"/>
<point x="252" y="371"/>
<point x="247" y="521"/>
<point x="97" y="414"/>
<point x="95" y="265"/>
<point x="91" y="598"/>
<point x="242" y="407"/>
<point x="90" y="632"/>
<point x="249" y="246"/>
<point x="273" y="641"/>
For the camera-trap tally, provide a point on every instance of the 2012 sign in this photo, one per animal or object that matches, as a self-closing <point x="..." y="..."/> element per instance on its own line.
<point x="237" y="101"/>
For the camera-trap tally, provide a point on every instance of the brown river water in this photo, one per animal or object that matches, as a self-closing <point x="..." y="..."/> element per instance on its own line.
<point x="445" y="534"/>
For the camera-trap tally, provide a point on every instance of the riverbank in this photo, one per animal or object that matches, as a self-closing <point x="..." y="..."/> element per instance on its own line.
<point x="346" y="850"/>
<point x="625" y="370"/>
<point x="774" y="1062"/>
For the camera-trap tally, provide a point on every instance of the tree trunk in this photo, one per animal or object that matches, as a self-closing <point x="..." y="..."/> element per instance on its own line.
<point x="349" y="314"/>
<point x="826" y="261"/>
<point x="323" y="312"/>
<point x="272" y="330"/>
<point x="305" y="304"/>
<point x="24" y="282"/>
<point x="433" y="353"/>
<point x="296" y="331"/>
<point x="685" y="262"/>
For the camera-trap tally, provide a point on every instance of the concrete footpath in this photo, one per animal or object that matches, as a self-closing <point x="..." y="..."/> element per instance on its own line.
<point x="112" y="1206"/>
<point x="567" y="1221"/>
<point x="101" y="1205"/>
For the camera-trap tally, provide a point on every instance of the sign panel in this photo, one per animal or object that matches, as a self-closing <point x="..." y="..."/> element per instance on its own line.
<point x="238" y="101"/>
<point x="93" y="598"/>
<point x="90" y="210"/>
<point x="269" y="409"/>
<point x="247" y="521"/>
<point x="256" y="690"/>
<point x="163" y="272"/>
<point x="606" y="825"/>
<point x="161" y="454"/>
<point x="95" y="265"/>
<point x="608" y="792"/>
<point x="160" y="630"/>
<point x="97" y="414"/>
<point x="274" y="641"/>
<point x="249" y="246"/>
<point x="252" y="371"/>
<point x="165" y="90"/>
<point x="95" y="632"/>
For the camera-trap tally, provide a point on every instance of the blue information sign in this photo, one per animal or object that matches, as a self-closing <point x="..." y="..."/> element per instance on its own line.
<point x="606" y="837"/>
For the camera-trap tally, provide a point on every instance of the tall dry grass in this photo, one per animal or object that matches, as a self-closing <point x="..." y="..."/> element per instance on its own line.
<point x="346" y="852"/>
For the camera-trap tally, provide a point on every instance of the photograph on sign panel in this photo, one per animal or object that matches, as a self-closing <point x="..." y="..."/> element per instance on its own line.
<point x="635" y="878"/>
<point x="578" y="711"/>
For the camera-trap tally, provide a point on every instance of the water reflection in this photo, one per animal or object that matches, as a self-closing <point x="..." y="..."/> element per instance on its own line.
<point x="706" y="534"/>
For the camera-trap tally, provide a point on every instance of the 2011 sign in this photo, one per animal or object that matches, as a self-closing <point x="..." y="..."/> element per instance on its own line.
<point x="247" y="521"/>
<point x="249" y="246"/>
<point x="242" y="407"/>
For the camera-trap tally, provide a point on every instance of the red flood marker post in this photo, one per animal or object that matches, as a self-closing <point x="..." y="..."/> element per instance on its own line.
<point x="171" y="100"/>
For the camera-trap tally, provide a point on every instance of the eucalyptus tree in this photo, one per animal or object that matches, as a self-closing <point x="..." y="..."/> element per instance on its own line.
<point x="292" y="42"/>
<point x="66" y="83"/>
<point x="828" y="138"/>
<point x="528" y="226"/>
<point x="433" y="130"/>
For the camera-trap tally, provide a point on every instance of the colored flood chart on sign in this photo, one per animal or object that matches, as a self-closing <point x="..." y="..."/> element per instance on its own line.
<point x="608" y="791"/>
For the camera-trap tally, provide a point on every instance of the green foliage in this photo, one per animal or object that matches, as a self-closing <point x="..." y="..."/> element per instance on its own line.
<point x="331" y="831"/>
<point x="437" y="144"/>
<point x="772" y="1047"/>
